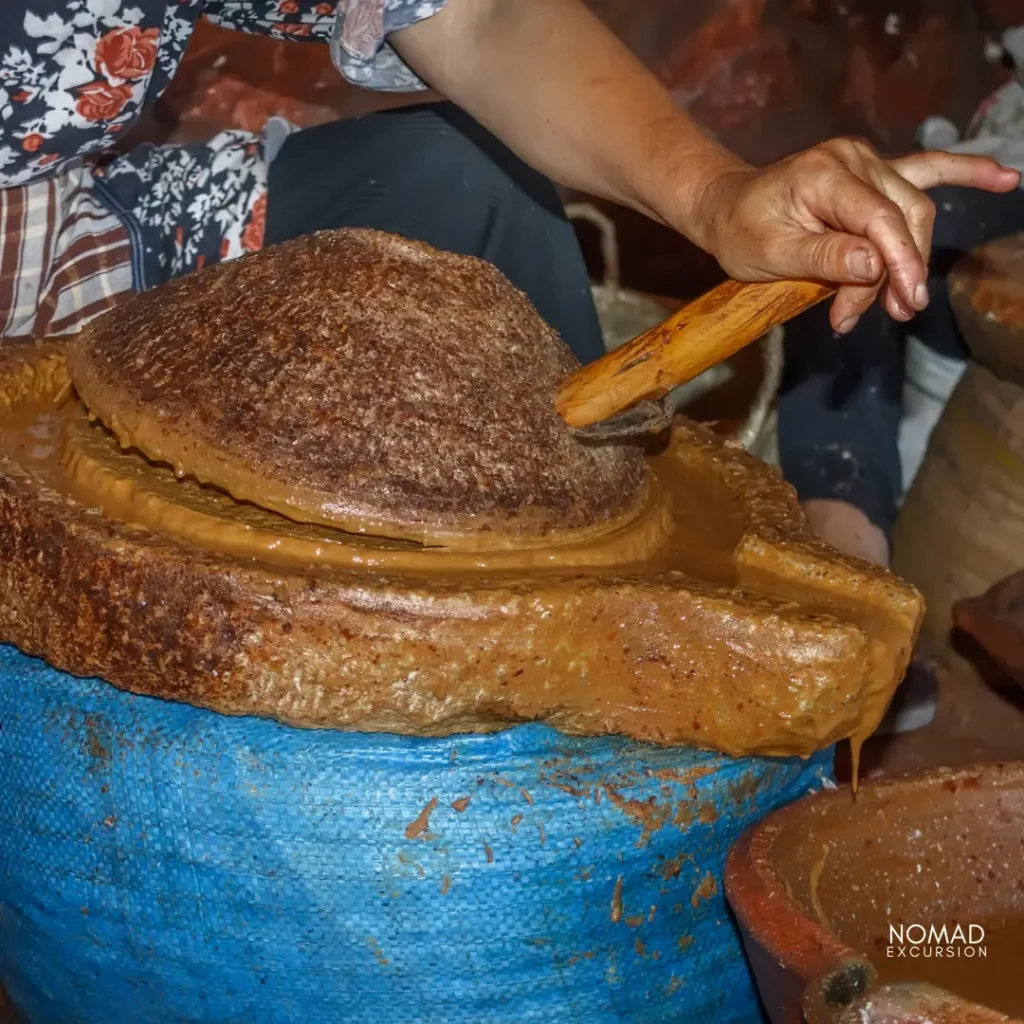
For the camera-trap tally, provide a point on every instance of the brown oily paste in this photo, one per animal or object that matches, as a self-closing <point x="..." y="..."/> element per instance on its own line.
<point x="136" y="490"/>
<point x="989" y="978"/>
<point x="360" y="381"/>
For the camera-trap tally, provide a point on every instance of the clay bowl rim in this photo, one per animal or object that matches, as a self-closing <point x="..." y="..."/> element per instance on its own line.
<point x="971" y="266"/>
<point x="992" y="338"/>
<point x="833" y="974"/>
<point x="991" y="620"/>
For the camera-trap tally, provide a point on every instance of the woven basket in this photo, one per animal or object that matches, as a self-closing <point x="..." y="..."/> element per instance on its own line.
<point x="961" y="528"/>
<point x="625" y="313"/>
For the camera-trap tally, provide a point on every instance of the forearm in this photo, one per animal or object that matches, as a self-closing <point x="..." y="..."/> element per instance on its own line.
<point x="549" y="80"/>
<point x="555" y="85"/>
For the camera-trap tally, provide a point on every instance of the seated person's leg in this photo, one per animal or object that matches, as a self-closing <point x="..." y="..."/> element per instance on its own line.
<point x="433" y="174"/>
<point x="839" y="413"/>
<point x="841" y="404"/>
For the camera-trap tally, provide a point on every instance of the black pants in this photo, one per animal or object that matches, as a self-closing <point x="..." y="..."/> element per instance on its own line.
<point x="433" y="174"/>
<point x="842" y="398"/>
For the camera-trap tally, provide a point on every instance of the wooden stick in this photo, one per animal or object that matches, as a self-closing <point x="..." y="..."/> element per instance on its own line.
<point x="703" y="333"/>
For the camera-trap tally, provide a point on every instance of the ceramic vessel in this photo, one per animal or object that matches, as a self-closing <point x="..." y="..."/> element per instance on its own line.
<point x="996" y="621"/>
<point x="986" y="290"/>
<point x="961" y="528"/>
<point x="818" y="886"/>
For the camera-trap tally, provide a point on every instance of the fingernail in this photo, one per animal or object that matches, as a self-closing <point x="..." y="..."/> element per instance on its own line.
<point x="901" y="309"/>
<point x="921" y="296"/>
<point x="860" y="263"/>
<point x="848" y="324"/>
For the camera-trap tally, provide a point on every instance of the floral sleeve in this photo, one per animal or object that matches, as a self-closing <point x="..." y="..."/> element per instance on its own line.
<point x="359" y="48"/>
<point x="356" y="29"/>
<point x="279" y="19"/>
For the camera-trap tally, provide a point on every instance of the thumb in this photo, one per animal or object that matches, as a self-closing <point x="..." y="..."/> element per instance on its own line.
<point x="833" y="256"/>
<point x="844" y="259"/>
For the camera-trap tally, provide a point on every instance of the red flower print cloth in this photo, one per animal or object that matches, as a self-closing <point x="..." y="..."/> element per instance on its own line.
<point x="128" y="53"/>
<point x="76" y="74"/>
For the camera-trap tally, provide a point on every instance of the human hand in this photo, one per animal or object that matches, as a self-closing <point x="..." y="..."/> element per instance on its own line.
<point x="840" y="213"/>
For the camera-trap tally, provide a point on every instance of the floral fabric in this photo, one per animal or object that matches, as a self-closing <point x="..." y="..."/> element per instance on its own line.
<point x="359" y="49"/>
<point x="76" y="74"/>
<point x="190" y="205"/>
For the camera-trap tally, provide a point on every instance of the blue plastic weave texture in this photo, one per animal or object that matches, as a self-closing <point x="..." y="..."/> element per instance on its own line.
<point x="159" y="862"/>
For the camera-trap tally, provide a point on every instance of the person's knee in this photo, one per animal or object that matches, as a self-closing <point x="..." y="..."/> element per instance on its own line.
<point x="954" y="228"/>
<point x="968" y="217"/>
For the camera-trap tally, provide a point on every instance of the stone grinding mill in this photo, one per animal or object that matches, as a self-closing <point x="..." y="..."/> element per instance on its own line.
<point x="351" y="685"/>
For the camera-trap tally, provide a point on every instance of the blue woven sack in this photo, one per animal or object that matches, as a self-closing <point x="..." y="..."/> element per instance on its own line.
<point x="159" y="862"/>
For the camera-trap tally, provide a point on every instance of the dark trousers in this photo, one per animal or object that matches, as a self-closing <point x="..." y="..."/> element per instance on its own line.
<point x="433" y="174"/>
<point x="842" y="397"/>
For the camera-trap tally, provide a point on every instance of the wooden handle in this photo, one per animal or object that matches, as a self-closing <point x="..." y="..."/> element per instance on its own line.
<point x="705" y="332"/>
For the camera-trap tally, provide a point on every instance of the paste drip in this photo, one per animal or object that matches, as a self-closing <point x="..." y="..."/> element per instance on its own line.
<point x="707" y="617"/>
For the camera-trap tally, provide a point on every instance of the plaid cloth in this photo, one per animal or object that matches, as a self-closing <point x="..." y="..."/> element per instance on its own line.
<point x="64" y="257"/>
<point x="74" y="76"/>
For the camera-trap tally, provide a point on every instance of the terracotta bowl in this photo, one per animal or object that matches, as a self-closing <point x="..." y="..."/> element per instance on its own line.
<point x="996" y="621"/>
<point x="818" y="886"/>
<point x="986" y="291"/>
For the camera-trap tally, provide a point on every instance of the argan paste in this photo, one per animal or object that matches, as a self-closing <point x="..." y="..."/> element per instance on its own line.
<point x="710" y="617"/>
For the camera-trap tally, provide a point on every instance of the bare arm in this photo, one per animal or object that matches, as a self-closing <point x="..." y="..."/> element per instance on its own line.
<point x="550" y="80"/>
<point x="556" y="86"/>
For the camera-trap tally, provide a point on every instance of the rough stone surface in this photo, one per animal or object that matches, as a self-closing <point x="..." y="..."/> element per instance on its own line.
<point x="795" y="649"/>
<point x="355" y="379"/>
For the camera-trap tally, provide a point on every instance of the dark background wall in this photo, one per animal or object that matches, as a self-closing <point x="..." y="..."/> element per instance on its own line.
<point x="771" y="76"/>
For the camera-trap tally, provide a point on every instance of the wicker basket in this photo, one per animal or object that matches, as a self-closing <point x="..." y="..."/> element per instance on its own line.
<point x="625" y="313"/>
